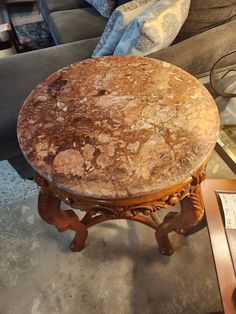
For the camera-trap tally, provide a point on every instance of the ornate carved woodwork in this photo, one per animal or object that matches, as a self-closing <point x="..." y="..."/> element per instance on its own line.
<point x="97" y="211"/>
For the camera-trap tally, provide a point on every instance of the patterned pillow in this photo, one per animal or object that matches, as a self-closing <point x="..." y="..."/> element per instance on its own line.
<point x="154" y="29"/>
<point x="104" y="7"/>
<point x="117" y="24"/>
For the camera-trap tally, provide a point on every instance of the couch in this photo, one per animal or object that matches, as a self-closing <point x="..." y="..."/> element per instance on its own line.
<point x="208" y="33"/>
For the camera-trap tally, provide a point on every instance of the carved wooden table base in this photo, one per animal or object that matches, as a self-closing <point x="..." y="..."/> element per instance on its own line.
<point x="191" y="213"/>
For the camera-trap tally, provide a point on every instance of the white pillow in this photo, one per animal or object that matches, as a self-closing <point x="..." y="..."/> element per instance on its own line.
<point x="117" y="24"/>
<point x="154" y="29"/>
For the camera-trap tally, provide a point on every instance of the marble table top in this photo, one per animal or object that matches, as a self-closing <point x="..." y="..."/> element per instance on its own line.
<point x="118" y="127"/>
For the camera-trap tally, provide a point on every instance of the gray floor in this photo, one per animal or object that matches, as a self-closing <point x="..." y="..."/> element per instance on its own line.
<point x="12" y="187"/>
<point x="119" y="272"/>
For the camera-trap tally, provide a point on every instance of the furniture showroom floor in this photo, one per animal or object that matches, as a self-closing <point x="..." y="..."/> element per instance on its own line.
<point x="119" y="272"/>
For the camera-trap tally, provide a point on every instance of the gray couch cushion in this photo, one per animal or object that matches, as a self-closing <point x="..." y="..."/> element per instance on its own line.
<point x="19" y="74"/>
<point x="204" y="15"/>
<point x="22" y="167"/>
<point x="49" y="6"/>
<point x="199" y="53"/>
<point x="73" y="25"/>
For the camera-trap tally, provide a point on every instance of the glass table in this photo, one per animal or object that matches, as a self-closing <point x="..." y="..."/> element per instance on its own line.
<point x="221" y="82"/>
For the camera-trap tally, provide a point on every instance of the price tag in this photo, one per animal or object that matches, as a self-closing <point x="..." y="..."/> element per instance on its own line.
<point x="229" y="207"/>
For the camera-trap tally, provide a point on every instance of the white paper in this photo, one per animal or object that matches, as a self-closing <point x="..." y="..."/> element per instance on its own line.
<point x="229" y="207"/>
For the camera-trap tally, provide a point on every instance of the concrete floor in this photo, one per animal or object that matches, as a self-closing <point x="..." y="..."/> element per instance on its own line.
<point x="12" y="187"/>
<point x="120" y="271"/>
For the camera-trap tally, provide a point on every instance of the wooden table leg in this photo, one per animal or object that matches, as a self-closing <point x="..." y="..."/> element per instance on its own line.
<point x="50" y="211"/>
<point x="191" y="214"/>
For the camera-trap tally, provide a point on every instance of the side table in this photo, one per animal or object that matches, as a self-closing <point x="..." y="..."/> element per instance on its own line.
<point x="119" y="138"/>
<point x="223" y="242"/>
<point x="8" y="27"/>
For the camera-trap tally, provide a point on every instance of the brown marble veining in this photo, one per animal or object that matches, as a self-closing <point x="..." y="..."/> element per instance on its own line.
<point x="115" y="127"/>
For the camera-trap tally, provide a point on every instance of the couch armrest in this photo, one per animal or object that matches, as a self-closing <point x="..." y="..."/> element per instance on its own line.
<point x="198" y="54"/>
<point x="20" y="73"/>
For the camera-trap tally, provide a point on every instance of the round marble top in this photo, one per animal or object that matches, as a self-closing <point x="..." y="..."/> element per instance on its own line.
<point x="118" y="127"/>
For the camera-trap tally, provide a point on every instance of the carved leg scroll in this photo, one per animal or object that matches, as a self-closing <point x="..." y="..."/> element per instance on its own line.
<point x="194" y="207"/>
<point x="191" y="214"/>
<point x="49" y="209"/>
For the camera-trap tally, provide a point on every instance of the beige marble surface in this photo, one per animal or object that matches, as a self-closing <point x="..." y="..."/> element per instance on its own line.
<point x="117" y="127"/>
